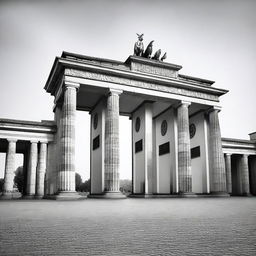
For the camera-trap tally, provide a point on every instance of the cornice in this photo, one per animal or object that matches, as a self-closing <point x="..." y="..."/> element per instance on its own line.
<point x="61" y="63"/>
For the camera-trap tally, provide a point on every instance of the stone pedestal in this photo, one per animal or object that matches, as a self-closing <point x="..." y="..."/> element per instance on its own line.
<point x="41" y="169"/>
<point x="184" y="157"/>
<point x="228" y="173"/>
<point x="111" y="163"/>
<point x="244" y="171"/>
<point x="66" y="177"/>
<point x="217" y="164"/>
<point x="31" y="176"/>
<point x="9" y="171"/>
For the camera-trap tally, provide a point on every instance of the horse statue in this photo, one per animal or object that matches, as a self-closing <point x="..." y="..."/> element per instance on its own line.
<point x="138" y="46"/>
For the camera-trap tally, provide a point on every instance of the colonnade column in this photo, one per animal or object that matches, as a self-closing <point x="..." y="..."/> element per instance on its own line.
<point x="67" y="142"/>
<point x="245" y="175"/>
<point x="184" y="155"/>
<point x="9" y="169"/>
<point x="111" y="163"/>
<point x="41" y="169"/>
<point x="228" y="173"/>
<point x="32" y="165"/>
<point x="217" y="164"/>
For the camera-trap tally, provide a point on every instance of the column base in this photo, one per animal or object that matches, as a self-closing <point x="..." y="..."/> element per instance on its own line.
<point x="219" y="194"/>
<point x="108" y="195"/>
<point x="65" y="196"/>
<point x="10" y="195"/>
<point x="141" y="195"/>
<point x="187" y="194"/>
<point x="247" y="194"/>
<point x="28" y="197"/>
<point x="38" y="197"/>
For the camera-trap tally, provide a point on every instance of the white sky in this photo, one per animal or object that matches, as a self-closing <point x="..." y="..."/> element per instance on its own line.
<point x="215" y="40"/>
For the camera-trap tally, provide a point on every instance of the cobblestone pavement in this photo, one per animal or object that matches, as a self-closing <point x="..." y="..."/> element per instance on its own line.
<point x="199" y="226"/>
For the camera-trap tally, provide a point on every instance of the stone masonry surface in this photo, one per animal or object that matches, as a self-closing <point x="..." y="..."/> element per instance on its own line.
<point x="194" y="226"/>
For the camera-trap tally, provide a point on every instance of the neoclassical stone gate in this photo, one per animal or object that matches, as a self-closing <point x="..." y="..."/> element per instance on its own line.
<point x="177" y="148"/>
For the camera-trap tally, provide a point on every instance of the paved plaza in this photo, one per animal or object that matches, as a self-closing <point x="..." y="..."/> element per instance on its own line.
<point x="199" y="226"/>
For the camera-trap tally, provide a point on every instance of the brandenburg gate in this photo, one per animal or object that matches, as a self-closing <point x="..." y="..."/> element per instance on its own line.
<point x="177" y="149"/>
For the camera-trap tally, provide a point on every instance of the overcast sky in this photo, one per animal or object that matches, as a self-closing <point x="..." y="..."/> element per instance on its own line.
<point x="215" y="40"/>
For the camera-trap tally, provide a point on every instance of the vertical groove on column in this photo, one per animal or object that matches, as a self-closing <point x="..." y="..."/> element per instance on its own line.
<point x="41" y="169"/>
<point x="184" y="157"/>
<point x="32" y="165"/>
<point x="218" y="176"/>
<point x="9" y="167"/>
<point x="228" y="173"/>
<point x="112" y="144"/>
<point x="245" y="175"/>
<point x="67" y="170"/>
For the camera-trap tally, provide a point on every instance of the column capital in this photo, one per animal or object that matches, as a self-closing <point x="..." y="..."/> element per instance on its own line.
<point x="43" y="141"/>
<point x="182" y="102"/>
<point x="12" y="140"/>
<point x="228" y="154"/>
<point x="213" y="108"/>
<point x="112" y="91"/>
<point x="71" y="85"/>
<point x="33" y="141"/>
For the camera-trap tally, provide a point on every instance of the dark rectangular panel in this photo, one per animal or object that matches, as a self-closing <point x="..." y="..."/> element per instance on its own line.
<point x="164" y="148"/>
<point x="138" y="146"/>
<point x="96" y="142"/>
<point x="195" y="152"/>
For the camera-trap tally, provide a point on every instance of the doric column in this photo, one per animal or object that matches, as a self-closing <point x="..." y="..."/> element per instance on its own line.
<point x="32" y="164"/>
<point x="217" y="164"/>
<point x="41" y="169"/>
<point x="245" y="175"/>
<point x="112" y="142"/>
<point x="228" y="173"/>
<point x="67" y="139"/>
<point x="9" y="168"/>
<point x="184" y="155"/>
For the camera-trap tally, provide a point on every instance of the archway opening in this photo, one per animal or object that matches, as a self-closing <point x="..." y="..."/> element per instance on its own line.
<point x="83" y="134"/>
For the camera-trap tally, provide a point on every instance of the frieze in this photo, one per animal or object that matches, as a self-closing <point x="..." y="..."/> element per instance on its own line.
<point x="140" y="84"/>
<point x="153" y="70"/>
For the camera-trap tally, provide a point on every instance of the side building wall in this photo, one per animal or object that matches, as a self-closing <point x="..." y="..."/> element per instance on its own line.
<point x="199" y="153"/>
<point x="165" y="153"/>
<point x="97" y="148"/>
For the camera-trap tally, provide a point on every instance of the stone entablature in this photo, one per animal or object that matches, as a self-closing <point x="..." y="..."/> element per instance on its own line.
<point x="141" y="73"/>
<point x="27" y="130"/>
<point x="153" y="67"/>
<point x="192" y="79"/>
<point x="236" y="146"/>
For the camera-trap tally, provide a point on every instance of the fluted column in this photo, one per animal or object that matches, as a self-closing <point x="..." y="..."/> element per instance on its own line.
<point x="111" y="162"/>
<point x="32" y="164"/>
<point x="217" y="164"/>
<point x="41" y="169"/>
<point x="228" y="173"/>
<point x="184" y="155"/>
<point x="9" y="168"/>
<point x="245" y="175"/>
<point x="67" y="139"/>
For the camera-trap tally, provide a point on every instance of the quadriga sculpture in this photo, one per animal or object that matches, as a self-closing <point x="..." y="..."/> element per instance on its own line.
<point x="138" y="46"/>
